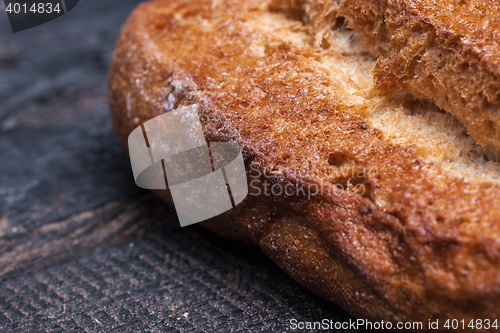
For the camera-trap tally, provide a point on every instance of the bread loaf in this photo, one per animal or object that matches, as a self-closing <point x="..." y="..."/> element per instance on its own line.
<point x="387" y="207"/>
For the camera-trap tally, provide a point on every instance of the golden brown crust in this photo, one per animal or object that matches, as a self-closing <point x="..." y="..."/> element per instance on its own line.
<point x="419" y="244"/>
<point x="445" y="51"/>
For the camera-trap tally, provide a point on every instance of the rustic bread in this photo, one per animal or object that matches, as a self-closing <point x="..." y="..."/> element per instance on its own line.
<point x="444" y="51"/>
<point x="407" y="225"/>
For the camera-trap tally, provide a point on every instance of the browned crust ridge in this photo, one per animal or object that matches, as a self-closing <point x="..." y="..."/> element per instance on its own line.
<point x="420" y="243"/>
<point x="445" y="51"/>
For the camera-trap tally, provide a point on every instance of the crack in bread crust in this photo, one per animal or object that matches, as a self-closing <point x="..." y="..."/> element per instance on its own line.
<point x="443" y="51"/>
<point x="423" y="243"/>
<point x="438" y="136"/>
<point x="431" y="56"/>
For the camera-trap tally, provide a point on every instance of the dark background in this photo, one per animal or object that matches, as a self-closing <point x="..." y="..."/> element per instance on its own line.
<point x="81" y="247"/>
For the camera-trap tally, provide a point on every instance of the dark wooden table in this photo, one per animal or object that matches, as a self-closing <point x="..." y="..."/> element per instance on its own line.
<point x="81" y="247"/>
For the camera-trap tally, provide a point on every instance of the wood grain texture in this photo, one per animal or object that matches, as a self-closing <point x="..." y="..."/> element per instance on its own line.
<point x="81" y="247"/>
